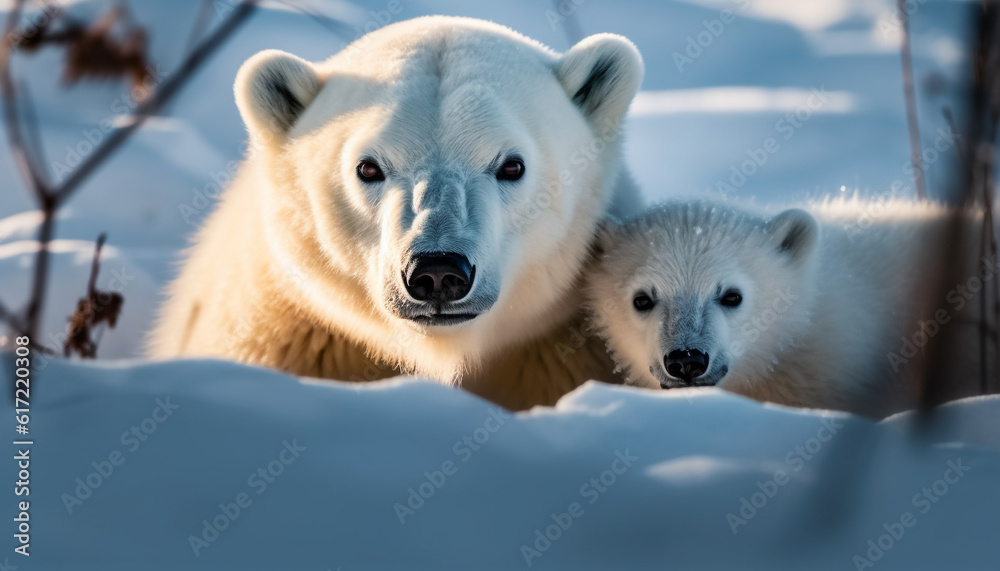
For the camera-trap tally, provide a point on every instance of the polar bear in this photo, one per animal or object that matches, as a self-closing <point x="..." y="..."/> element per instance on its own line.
<point x="424" y="203"/>
<point x="824" y="310"/>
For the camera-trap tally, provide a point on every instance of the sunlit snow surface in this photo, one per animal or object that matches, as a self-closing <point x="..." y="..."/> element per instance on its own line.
<point x="820" y="485"/>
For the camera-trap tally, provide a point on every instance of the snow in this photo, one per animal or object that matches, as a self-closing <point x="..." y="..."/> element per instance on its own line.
<point x="734" y="100"/>
<point x="698" y="454"/>
<point x="693" y="456"/>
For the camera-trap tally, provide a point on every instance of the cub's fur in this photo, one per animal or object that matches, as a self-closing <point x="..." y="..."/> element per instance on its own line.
<point x="828" y="309"/>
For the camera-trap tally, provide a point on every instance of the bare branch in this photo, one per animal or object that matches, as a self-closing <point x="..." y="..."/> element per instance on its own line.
<point x="337" y="27"/>
<point x="571" y="23"/>
<point x="163" y="95"/>
<point x="33" y="178"/>
<point x="10" y="318"/>
<point x="95" y="265"/>
<point x="50" y="199"/>
<point x="949" y="118"/>
<point x="913" y="126"/>
<point x="35" y="150"/>
<point x="974" y="184"/>
<point x="201" y="20"/>
<point x="18" y="147"/>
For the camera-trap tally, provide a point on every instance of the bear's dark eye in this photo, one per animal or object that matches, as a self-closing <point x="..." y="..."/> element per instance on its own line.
<point x="732" y="298"/>
<point x="642" y="302"/>
<point x="370" y="172"/>
<point x="511" y="171"/>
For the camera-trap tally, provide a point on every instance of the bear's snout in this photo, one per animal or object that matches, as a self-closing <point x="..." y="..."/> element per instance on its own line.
<point x="439" y="277"/>
<point x="686" y="365"/>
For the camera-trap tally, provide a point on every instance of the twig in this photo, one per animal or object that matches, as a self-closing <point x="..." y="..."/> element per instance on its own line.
<point x="95" y="265"/>
<point x="35" y="150"/>
<point x="571" y="24"/>
<point x="92" y="310"/>
<point x="200" y="24"/>
<point x="337" y="27"/>
<point x="7" y="89"/>
<point x="163" y="95"/>
<point x="949" y="118"/>
<point x="913" y="125"/>
<point x="974" y="184"/>
<point x="49" y="199"/>
<point x="9" y="317"/>
<point x="986" y="244"/>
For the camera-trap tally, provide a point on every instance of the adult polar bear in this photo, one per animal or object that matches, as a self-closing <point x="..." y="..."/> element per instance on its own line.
<point x="422" y="202"/>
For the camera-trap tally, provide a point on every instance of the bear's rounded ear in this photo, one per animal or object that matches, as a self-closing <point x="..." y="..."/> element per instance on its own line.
<point x="601" y="74"/>
<point x="273" y="88"/>
<point x="795" y="232"/>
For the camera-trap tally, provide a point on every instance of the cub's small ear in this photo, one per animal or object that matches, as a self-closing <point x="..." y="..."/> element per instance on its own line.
<point x="273" y="88"/>
<point x="606" y="235"/>
<point x="601" y="74"/>
<point x="795" y="233"/>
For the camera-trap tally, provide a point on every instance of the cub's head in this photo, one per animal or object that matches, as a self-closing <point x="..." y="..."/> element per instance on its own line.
<point x="441" y="177"/>
<point x="695" y="294"/>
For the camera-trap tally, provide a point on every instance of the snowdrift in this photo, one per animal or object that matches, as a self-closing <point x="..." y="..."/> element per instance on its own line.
<point x="214" y="465"/>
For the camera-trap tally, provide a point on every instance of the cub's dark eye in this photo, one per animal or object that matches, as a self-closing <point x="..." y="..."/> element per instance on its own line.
<point x="642" y="302"/>
<point x="370" y="172"/>
<point x="511" y="170"/>
<point x="732" y="298"/>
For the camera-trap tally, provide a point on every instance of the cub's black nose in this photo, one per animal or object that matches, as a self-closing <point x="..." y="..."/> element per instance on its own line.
<point x="440" y="277"/>
<point x="686" y="365"/>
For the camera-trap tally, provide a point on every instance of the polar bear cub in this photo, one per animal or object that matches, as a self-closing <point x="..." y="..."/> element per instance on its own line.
<point x="822" y="310"/>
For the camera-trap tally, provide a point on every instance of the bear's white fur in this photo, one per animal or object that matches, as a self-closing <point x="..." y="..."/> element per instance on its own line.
<point x="300" y="268"/>
<point x="830" y="300"/>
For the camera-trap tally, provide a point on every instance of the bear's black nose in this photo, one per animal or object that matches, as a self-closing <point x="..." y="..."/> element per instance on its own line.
<point x="440" y="277"/>
<point x="686" y="365"/>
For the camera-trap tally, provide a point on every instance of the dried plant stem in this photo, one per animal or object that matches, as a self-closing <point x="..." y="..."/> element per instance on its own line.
<point x="49" y="199"/>
<point x="913" y="126"/>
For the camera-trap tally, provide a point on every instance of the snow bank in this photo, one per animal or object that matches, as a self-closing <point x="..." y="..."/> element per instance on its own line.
<point x="213" y="465"/>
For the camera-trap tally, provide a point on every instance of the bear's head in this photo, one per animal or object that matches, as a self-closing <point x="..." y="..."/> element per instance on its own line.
<point x="694" y="294"/>
<point x="437" y="184"/>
